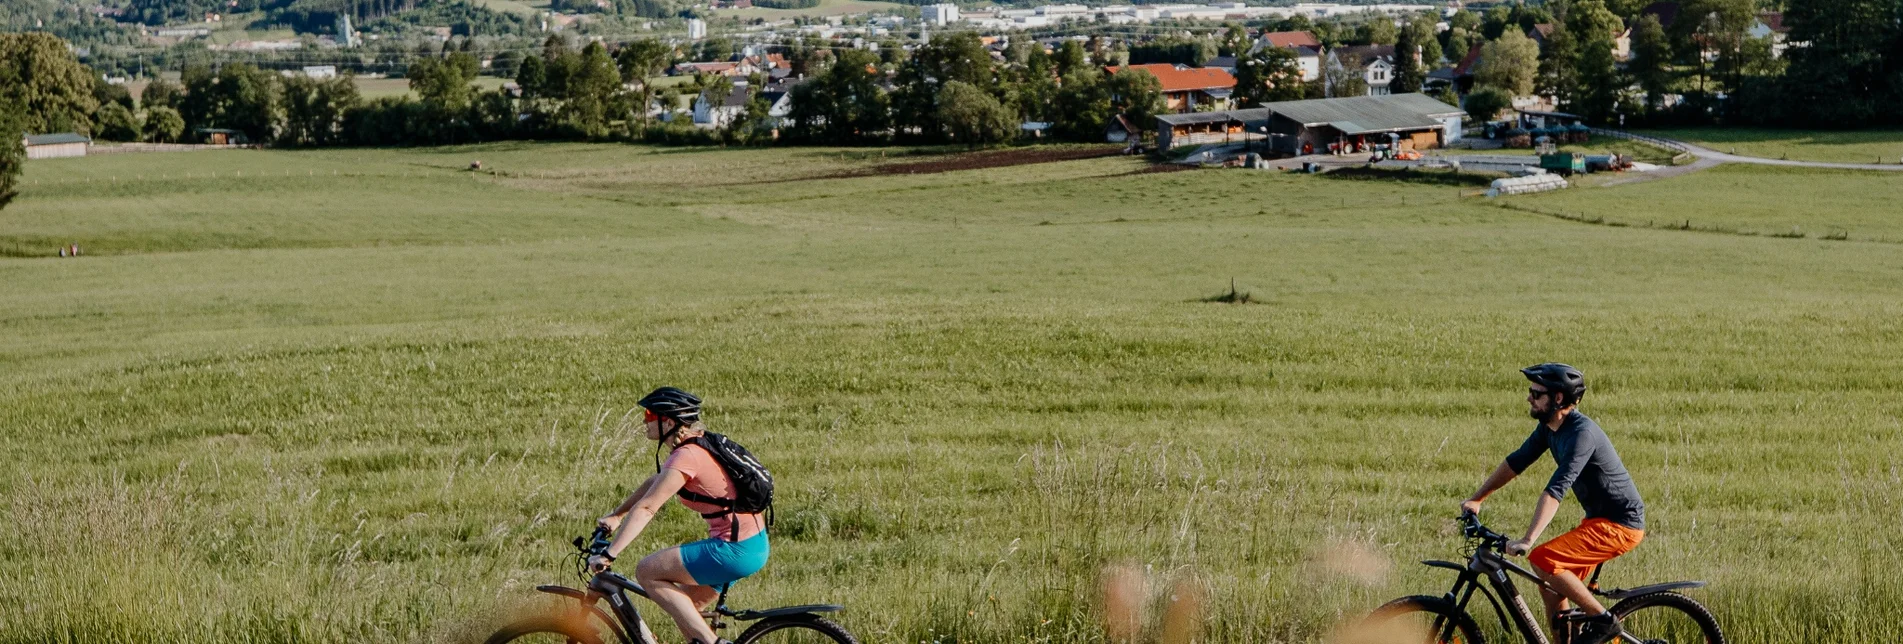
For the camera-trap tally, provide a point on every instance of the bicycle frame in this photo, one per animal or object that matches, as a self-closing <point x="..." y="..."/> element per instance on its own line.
<point x="626" y="622"/>
<point x="1499" y="590"/>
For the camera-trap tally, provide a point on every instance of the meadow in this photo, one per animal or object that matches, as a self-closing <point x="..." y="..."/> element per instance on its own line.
<point x="369" y="395"/>
<point x="1835" y="146"/>
<point x="826" y="8"/>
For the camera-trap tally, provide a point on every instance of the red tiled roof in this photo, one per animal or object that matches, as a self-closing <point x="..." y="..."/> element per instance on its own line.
<point x="1775" y="21"/>
<point x="1183" y="80"/>
<point x="1544" y="29"/>
<point x="1468" y="62"/>
<point x="1291" y="39"/>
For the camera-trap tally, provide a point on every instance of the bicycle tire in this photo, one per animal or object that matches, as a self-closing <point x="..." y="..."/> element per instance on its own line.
<point x="1707" y="625"/>
<point x="540" y="625"/>
<point x="1464" y="631"/>
<point x="808" y="621"/>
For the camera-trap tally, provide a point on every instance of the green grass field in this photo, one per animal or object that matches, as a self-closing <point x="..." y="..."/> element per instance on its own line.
<point x="367" y="395"/>
<point x="1836" y="146"/>
<point x="382" y="87"/>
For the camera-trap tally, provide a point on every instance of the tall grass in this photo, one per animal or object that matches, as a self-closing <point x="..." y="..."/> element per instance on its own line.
<point x="353" y="435"/>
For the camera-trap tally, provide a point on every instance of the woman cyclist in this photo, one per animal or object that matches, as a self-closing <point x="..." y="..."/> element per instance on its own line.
<point x="686" y="580"/>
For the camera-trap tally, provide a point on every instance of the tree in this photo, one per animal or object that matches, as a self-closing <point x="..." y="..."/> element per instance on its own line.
<point x="1235" y="41"/>
<point x="1590" y="20"/>
<point x="314" y="109"/>
<point x="1422" y="26"/>
<point x="238" y="97"/>
<point x="1509" y="63"/>
<point x="1083" y="108"/>
<point x="1137" y="95"/>
<point x="113" y="122"/>
<point x="531" y="76"/>
<point x="1376" y="29"/>
<point x="1845" y="60"/>
<point x="1070" y="57"/>
<point x="642" y="59"/>
<point x="1651" y="59"/>
<point x="163" y="125"/>
<point x="1559" y="66"/>
<point x="1486" y="102"/>
<point x="1600" y="83"/>
<point x="1342" y="76"/>
<point x="973" y="116"/>
<point x="1408" y="71"/>
<point x="12" y="148"/>
<point x="1459" y="42"/>
<point x="160" y="93"/>
<point x="594" y="92"/>
<point x="1267" y="74"/>
<point x="845" y="104"/>
<point x="52" y="91"/>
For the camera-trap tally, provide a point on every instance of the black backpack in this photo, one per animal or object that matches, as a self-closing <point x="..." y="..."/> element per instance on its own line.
<point x="752" y="483"/>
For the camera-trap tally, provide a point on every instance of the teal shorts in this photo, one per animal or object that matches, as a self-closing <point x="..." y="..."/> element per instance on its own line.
<point x="718" y="562"/>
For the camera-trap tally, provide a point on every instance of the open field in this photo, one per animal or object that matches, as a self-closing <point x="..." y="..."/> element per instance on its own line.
<point x="1836" y="146"/>
<point x="366" y="395"/>
<point x="381" y="87"/>
<point x="1849" y="204"/>
<point x="825" y="8"/>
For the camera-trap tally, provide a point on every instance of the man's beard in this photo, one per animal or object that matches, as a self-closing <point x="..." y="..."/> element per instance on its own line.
<point x="1546" y="416"/>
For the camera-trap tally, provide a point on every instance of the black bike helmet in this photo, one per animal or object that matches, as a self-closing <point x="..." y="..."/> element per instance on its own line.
<point x="1560" y="378"/>
<point x="670" y="402"/>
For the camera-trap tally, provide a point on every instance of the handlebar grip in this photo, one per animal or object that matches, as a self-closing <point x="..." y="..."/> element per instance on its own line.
<point x="598" y="543"/>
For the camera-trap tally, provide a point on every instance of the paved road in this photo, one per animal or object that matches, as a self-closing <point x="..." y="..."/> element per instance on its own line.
<point x="1720" y="157"/>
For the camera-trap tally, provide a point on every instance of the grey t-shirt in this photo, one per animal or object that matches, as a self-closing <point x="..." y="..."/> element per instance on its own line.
<point x="1587" y="465"/>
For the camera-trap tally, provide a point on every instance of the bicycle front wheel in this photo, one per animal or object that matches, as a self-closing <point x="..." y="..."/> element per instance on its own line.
<point x="1430" y="620"/>
<point x="796" y="629"/>
<point x="546" y="630"/>
<point x="1668" y="618"/>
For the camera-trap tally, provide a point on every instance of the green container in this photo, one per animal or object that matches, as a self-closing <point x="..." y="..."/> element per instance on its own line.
<point x="1563" y="162"/>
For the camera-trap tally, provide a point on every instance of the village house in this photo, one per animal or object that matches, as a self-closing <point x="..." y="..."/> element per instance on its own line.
<point x="1376" y="63"/>
<point x="717" y="107"/>
<point x="1187" y="88"/>
<point x="56" y="146"/>
<point x="1307" y="48"/>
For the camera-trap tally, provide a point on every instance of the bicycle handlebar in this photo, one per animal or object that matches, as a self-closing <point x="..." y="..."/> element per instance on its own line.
<point x="1470" y="525"/>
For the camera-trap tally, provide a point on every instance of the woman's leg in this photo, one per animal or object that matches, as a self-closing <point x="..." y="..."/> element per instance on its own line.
<point x="668" y="583"/>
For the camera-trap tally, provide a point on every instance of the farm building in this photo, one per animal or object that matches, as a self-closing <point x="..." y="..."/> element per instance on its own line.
<point x="1187" y="88"/>
<point x="1201" y="128"/>
<point x="1415" y="121"/>
<point x="55" y="146"/>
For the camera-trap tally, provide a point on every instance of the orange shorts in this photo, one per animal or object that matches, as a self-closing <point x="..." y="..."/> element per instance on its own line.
<point x="1594" y="542"/>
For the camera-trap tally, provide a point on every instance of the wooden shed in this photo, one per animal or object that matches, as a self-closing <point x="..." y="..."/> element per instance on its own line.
<point x="56" y="146"/>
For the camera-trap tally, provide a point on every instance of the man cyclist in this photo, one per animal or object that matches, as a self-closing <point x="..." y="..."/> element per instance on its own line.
<point x="1587" y="465"/>
<point x="686" y="579"/>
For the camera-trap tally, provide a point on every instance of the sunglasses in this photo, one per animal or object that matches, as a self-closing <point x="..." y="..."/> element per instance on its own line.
<point x="1537" y="393"/>
<point x="647" y="416"/>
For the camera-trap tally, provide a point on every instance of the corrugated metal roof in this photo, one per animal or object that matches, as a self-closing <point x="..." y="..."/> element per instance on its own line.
<point x="56" y="139"/>
<point x="1359" y="114"/>
<point x="1246" y="116"/>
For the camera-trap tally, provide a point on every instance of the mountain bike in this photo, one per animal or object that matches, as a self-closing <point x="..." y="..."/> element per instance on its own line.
<point x="583" y="620"/>
<point x="1654" y="614"/>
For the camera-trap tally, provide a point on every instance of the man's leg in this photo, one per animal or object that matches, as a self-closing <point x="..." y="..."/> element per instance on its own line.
<point x="1570" y="587"/>
<point x="669" y="584"/>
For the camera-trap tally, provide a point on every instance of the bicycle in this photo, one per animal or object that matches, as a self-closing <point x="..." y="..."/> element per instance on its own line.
<point x="585" y="622"/>
<point x="1654" y="614"/>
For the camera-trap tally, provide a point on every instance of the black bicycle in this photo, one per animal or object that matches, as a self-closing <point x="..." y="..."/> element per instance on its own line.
<point x="1654" y="614"/>
<point x="583" y="621"/>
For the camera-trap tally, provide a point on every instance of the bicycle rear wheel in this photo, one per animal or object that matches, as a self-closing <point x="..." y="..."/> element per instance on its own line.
<point x="1668" y="618"/>
<point x="796" y="629"/>
<point x="1430" y="620"/>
